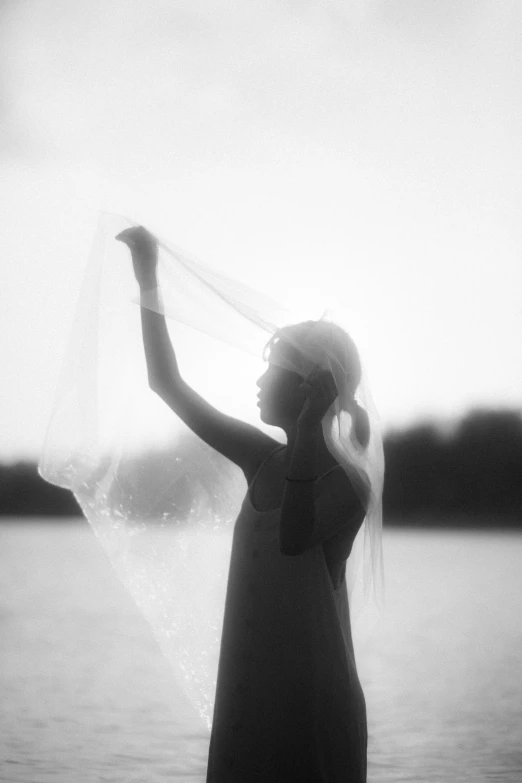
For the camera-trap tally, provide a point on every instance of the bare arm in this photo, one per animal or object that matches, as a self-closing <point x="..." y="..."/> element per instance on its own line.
<point x="313" y="511"/>
<point x="162" y="366"/>
<point x="242" y="443"/>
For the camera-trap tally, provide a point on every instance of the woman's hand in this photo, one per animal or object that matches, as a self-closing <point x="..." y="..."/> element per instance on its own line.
<point x="144" y="251"/>
<point x="321" y="391"/>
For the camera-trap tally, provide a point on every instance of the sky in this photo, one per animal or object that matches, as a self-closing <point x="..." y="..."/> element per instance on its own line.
<point x="366" y="152"/>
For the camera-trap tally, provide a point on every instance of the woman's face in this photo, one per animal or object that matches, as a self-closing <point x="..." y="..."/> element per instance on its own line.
<point x="281" y="398"/>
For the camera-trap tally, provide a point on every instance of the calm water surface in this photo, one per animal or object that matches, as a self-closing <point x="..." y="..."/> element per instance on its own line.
<point x="85" y="694"/>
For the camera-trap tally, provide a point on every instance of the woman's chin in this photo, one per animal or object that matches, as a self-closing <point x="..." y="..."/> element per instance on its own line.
<point x="268" y="417"/>
<point x="265" y="416"/>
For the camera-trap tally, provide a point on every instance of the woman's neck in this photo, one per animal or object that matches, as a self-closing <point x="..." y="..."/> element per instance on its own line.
<point x="324" y="459"/>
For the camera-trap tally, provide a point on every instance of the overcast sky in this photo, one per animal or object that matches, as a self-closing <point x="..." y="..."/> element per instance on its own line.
<point x="372" y="153"/>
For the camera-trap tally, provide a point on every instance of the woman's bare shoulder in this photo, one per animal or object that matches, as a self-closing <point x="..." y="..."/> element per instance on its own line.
<point x="264" y="447"/>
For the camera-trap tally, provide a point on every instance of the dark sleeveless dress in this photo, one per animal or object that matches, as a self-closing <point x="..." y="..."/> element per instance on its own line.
<point x="289" y="706"/>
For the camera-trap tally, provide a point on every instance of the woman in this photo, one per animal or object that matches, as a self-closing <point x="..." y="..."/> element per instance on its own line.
<point x="289" y="705"/>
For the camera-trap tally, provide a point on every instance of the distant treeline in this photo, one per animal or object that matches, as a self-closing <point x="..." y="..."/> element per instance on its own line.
<point x="470" y="476"/>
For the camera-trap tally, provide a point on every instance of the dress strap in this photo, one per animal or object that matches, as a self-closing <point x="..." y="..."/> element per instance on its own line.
<point x="278" y="448"/>
<point x="328" y="471"/>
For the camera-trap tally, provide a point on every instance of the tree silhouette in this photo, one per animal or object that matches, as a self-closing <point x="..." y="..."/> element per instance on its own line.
<point x="473" y="473"/>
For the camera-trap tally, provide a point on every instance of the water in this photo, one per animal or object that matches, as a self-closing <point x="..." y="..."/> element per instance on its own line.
<point x="85" y="694"/>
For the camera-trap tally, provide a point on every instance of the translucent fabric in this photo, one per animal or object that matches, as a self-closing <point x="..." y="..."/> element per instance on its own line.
<point x="162" y="503"/>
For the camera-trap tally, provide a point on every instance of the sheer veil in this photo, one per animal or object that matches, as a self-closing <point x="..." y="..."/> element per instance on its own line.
<point x="161" y="502"/>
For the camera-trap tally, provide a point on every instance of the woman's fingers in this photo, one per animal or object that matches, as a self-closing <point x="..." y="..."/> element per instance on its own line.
<point x="141" y="242"/>
<point x="321" y="382"/>
<point x="125" y="236"/>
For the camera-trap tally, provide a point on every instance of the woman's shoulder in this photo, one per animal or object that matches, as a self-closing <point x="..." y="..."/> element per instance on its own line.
<point x="335" y="486"/>
<point x="266" y="447"/>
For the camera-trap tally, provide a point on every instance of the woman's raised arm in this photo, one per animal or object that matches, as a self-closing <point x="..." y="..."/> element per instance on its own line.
<point x="242" y="443"/>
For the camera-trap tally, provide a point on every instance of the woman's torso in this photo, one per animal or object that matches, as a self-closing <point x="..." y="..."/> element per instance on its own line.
<point x="286" y="657"/>
<point x="266" y="485"/>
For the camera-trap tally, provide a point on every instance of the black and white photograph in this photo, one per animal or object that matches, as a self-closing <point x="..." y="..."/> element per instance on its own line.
<point x="261" y="419"/>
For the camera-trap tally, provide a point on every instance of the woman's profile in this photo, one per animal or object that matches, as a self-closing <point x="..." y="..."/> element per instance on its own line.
<point x="289" y="706"/>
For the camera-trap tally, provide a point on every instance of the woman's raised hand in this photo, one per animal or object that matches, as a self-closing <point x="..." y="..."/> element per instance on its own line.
<point x="144" y="251"/>
<point x="321" y="391"/>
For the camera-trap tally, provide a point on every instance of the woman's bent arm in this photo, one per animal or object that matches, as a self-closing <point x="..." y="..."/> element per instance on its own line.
<point x="240" y="442"/>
